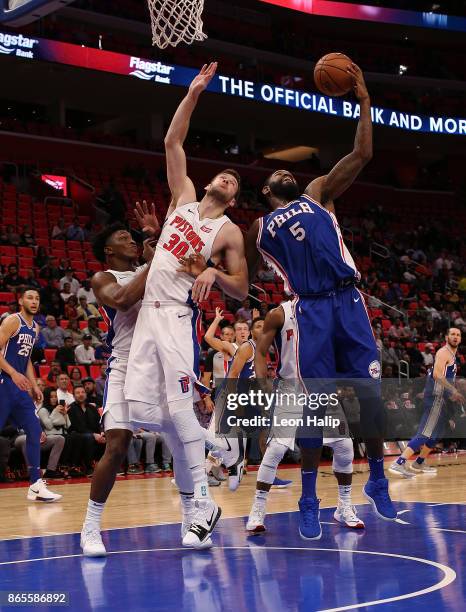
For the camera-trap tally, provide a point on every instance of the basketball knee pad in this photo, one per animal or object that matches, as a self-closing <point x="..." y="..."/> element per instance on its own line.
<point x="183" y="476"/>
<point x="343" y="455"/>
<point x="274" y="453"/>
<point x="185" y="421"/>
<point x="146" y="416"/>
<point x="309" y="442"/>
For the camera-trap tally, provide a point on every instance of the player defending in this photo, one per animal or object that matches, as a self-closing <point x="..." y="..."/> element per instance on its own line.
<point x="119" y="291"/>
<point x="165" y="349"/>
<point x="333" y="330"/>
<point x="18" y="334"/>
<point x="280" y="328"/>
<point x="439" y="387"/>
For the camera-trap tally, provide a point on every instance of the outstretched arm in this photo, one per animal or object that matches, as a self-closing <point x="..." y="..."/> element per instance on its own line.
<point x="328" y="188"/>
<point x="273" y="322"/>
<point x="181" y="186"/>
<point x="219" y="345"/>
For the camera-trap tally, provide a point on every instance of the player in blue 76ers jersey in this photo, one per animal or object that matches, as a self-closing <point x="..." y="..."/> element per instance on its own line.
<point x="302" y="241"/>
<point x="18" y="334"/>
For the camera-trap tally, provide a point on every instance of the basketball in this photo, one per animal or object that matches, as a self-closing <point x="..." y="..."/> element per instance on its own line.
<point x="330" y="75"/>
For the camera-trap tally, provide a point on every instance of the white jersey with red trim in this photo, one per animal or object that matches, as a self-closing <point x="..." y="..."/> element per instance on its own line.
<point x="183" y="234"/>
<point x="121" y="324"/>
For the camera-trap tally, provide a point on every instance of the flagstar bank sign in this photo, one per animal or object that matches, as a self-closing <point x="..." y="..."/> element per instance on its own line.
<point x="170" y="74"/>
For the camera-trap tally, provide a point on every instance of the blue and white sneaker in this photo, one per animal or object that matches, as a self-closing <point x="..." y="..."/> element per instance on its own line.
<point x="309" y="524"/>
<point x="278" y="483"/>
<point x="377" y="493"/>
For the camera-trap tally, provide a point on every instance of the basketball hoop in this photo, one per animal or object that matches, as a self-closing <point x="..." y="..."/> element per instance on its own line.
<point x="175" y="21"/>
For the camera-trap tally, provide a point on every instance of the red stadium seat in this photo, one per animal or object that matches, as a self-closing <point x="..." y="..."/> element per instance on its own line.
<point x="25" y="252"/>
<point x="9" y="251"/>
<point x="50" y="354"/>
<point x="6" y="297"/>
<point x="44" y="371"/>
<point x="103" y="326"/>
<point x="95" y="371"/>
<point x="64" y="323"/>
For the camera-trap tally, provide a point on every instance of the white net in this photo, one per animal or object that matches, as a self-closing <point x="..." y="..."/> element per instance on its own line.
<point x="175" y="21"/>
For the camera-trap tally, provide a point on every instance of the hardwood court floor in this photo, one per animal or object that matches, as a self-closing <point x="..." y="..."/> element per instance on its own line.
<point x="153" y="500"/>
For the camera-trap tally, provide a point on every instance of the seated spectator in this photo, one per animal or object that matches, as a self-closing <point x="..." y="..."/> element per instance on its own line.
<point x="428" y="355"/>
<point x="71" y="308"/>
<point x="93" y="330"/>
<point x="388" y="353"/>
<point x="87" y="292"/>
<point x="13" y="281"/>
<point x="395" y="419"/>
<point x="75" y="377"/>
<point x="27" y="237"/>
<point x="50" y="270"/>
<point x="59" y="230"/>
<point x="92" y="396"/>
<point x="66" y="293"/>
<point x="245" y="311"/>
<point x="86" y="310"/>
<point x="41" y="257"/>
<point x="12" y="237"/>
<point x="74" y="331"/>
<point x="31" y="281"/>
<point x="65" y="354"/>
<point x="150" y="439"/>
<point x="75" y="231"/>
<point x="84" y="353"/>
<point x="54" y="373"/>
<point x="101" y="381"/>
<point x="87" y="440"/>
<point x="53" y="334"/>
<point x="69" y="278"/>
<point x="63" y="389"/>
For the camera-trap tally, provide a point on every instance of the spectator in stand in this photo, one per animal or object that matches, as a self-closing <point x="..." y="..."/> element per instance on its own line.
<point x="63" y="392"/>
<point x="75" y="231"/>
<point x="113" y="202"/>
<point x="388" y="354"/>
<point x="71" y="308"/>
<point x="53" y="334"/>
<point x="66" y="293"/>
<point x="263" y="309"/>
<point x="13" y="281"/>
<point x="54" y="373"/>
<point x="428" y="355"/>
<point x="101" y="381"/>
<point x="394" y="294"/>
<point x="59" y="230"/>
<point x="245" y="312"/>
<point x="75" y="332"/>
<point x="93" y="330"/>
<point x="41" y="257"/>
<point x="387" y="371"/>
<point x="396" y="330"/>
<point x="65" y="354"/>
<point x="69" y="278"/>
<point x="27" y="237"/>
<point x="86" y="310"/>
<point x="92" y="396"/>
<point x="31" y="281"/>
<point x="75" y="377"/>
<point x="87" y="439"/>
<point x="87" y="292"/>
<point x="50" y="270"/>
<point x="56" y="307"/>
<point x="12" y="237"/>
<point x="84" y="353"/>
<point x="266" y="275"/>
<point x="395" y="419"/>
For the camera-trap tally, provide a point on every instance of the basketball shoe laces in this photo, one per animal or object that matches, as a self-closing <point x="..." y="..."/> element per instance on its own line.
<point x="311" y="511"/>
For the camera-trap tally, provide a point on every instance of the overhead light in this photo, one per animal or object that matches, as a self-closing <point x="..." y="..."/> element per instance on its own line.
<point x="402" y="69"/>
<point x="291" y="154"/>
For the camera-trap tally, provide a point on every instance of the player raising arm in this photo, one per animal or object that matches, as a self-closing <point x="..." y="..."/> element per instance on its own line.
<point x="18" y="334"/>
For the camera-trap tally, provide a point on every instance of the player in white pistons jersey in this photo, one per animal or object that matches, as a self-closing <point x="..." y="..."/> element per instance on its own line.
<point x="165" y="349"/>
<point x="280" y="327"/>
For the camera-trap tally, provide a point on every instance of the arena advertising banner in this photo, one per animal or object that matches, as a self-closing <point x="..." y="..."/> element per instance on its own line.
<point x="159" y="72"/>
<point x="362" y="12"/>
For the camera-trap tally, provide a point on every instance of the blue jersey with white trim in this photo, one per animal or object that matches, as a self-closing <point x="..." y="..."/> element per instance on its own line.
<point x="302" y="242"/>
<point x="431" y="389"/>
<point x="17" y="351"/>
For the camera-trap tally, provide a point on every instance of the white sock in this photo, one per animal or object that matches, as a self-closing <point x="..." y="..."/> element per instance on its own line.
<point x="94" y="514"/>
<point x="187" y="502"/>
<point x="260" y="497"/>
<point x="344" y="495"/>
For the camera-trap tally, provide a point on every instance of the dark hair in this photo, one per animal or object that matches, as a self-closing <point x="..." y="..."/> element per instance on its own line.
<point x="100" y="241"/>
<point x="254" y="321"/>
<point x="23" y="290"/>
<point x="47" y="393"/>
<point x="235" y="174"/>
<point x="78" y="386"/>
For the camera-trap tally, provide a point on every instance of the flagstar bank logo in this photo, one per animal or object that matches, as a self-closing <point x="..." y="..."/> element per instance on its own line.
<point x="17" y="44"/>
<point x="150" y="71"/>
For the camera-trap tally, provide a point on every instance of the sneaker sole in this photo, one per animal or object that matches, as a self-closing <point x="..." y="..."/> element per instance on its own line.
<point x="44" y="500"/>
<point x="282" y="486"/>
<point x="257" y="530"/>
<point x="407" y="476"/>
<point x="205" y="543"/>
<point x="358" y="526"/>
<point x="374" y="508"/>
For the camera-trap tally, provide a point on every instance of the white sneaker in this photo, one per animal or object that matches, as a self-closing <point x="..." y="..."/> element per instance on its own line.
<point x="91" y="543"/>
<point x="205" y="517"/>
<point x="256" y="520"/>
<point x="188" y="511"/>
<point x="422" y="468"/>
<point x="234" y="461"/>
<point x="402" y="470"/>
<point x="347" y="516"/>
<point x="39" y="492"/>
